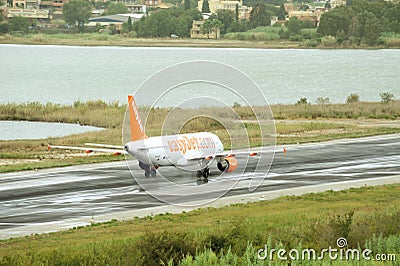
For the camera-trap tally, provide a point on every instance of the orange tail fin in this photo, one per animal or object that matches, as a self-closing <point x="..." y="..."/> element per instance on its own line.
<point x="137" y="130"/>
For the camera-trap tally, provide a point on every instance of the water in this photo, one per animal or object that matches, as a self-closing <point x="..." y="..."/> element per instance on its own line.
<point x="13" y="130"/>
<point x="64" y="74"/>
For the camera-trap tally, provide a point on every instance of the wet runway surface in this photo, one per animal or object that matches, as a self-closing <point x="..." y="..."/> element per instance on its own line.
<point x="28" y="198"/>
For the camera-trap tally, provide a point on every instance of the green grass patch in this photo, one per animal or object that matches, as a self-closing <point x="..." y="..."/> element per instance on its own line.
<point x="367" y="217"/>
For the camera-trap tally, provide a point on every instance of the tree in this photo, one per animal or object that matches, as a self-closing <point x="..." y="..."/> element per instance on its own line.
<point x="294" y="26"/>
<point x="282" y="12"/>
<point x="183" y="25"/>
<point x="337" y="19"/>
<point x="259" y="16"/>
<point x="129" y="22"/>
<point x="217" y="24"/>
<point x="239" y="26"/>
<point x="211" y="25"/>
<point x="116" y="8"/>
<point x="226" y="17"/>
<point x="353" y="98"/>
<point x="4" y="27"/>
<point x="206" y="28"/>
<point x="18" y="24"/>
<point x="76" y="12"/>
<point x="386" y="97"/>
<point x="206" y="7"/>
<point x="302" y="101"/>
<point x="304" y="8"/>
<point x="127" y="26"/>
<point x="322" y="101"/>
<point x="237" y="12"/>
<point x="369" y="27"/>
<point x="1" y="11"/>
<point x="187" y="4"/>
<point x="328" y="5"/>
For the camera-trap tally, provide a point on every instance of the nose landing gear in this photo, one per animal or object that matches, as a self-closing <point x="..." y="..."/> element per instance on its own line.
<point x="149" y="170"/>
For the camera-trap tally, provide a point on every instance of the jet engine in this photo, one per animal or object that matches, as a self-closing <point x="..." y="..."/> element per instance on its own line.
<point x="229" y="164"/>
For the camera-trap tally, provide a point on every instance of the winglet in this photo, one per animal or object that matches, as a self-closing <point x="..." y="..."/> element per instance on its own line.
<point x="137" y="129"/>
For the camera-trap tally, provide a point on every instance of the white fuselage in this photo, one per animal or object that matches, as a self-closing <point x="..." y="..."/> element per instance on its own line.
<point x="177" y="150"/>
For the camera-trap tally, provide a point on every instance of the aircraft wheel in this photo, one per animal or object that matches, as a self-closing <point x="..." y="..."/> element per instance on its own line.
<point x="205" y="180"/>
<point x="147" y="173"/>
<point x="199" y="173"/>
<point x="206" y="172"/>
<point x="153" y="172"/>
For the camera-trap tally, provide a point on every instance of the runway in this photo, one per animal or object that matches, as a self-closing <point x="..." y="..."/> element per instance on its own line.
<point x="55" y="199"/>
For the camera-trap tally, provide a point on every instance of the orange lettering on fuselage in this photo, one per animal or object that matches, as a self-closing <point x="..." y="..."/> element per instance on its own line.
<point x="184" y="144"/>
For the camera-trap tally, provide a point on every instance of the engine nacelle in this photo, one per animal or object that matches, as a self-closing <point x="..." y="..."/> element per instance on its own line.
<point x="229" y="164"/>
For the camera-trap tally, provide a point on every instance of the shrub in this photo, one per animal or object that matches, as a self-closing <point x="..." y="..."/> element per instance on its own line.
<point x="308" y="33"/>
<point x="353" y="98"/>
<point x="322" y="101"/>
<point x="4" y="27"/>
<point x="328" y="41"/>
<point x="302" y="101"/>
<point x="156" y="248"/>
<point x="386" y="97"/>
<point x="311" y="43"/>
<point x="295" y="38"/>
<point x="39" y="38"/>
<point x="132" y="34"/>
<point x="389" y="39"/>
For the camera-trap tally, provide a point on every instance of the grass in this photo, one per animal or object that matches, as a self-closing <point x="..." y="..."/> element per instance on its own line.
<point x="263" y="37"/>
<point x="95" y="39"/>
<point x="366" y="217"/>
<point x="299" y="123"/>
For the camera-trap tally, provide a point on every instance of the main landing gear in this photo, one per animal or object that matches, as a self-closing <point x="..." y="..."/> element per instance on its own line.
<point x="149" y="170"/>
<point x="202" y="176"/>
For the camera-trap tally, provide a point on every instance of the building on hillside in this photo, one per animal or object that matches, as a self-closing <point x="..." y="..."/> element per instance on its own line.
<point x="152" y="3"/>
<point x="47" y="4"/>
<point x="29" y="4"/>
<point x="28" y="13"/>
<point x="313" y="16"/>
<point x="52" y="4"/>
<point x="19" y="4"/>
<point x="129" y="2"/>
<point x="116" y="20"/>
<point x="289" y="7"/>
<point x="336" y="3"/>
<point x="165" y="5"/>
<point x="196" y="31"/>
<point x="244" y="11"/>
<point x="134" y="6"/>
<point x="140" y="9"/>
<point x="276" y="21"/>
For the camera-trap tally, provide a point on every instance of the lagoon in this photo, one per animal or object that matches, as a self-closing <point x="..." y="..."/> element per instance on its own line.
<point x="16" y="130"/>
<point x="64" y="74"/>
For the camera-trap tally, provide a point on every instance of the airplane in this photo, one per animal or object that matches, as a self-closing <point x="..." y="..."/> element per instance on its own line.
<point x="191" y="151"/>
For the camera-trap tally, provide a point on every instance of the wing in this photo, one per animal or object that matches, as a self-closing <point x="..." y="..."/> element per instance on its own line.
<point x="92" y="149"/>
<point x="105" y="146"/>
<point x="227" y="154"/>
